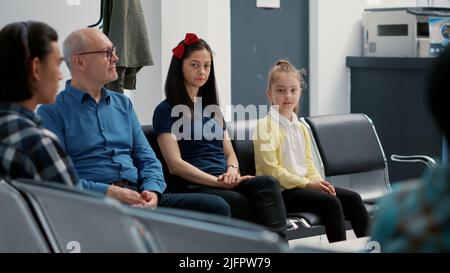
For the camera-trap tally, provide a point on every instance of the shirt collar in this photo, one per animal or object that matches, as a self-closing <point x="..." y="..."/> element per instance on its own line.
<point x="15" y="108"/>
<point x="81" y="95"/>
<point x="284" y="122"/>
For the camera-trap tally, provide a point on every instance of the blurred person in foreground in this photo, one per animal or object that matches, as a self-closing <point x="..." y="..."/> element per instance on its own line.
<point x="418" y="220"/>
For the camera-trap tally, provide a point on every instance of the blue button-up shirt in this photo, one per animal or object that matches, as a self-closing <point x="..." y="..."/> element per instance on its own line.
<point x="104" y="140"/>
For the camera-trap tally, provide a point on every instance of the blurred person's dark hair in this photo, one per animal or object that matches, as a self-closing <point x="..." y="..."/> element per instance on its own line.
<point x="20" y="42"/>
<point x="439" y="89"/>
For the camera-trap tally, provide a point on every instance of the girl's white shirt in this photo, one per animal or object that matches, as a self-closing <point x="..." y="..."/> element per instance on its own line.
<point x="293" y="148"/>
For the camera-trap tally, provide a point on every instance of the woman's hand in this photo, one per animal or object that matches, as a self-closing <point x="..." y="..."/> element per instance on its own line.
<point x="239" y="180"/>
<point x="230" y="179"/>
<point x="245" y="178"/>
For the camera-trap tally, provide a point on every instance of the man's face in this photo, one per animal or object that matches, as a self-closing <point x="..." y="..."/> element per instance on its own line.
<point x="99" y="58"/>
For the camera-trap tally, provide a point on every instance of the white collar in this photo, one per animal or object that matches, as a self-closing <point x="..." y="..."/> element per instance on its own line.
<point x="284" y="122"/>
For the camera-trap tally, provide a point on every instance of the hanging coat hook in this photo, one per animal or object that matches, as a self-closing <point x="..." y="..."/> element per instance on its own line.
<point x="101" y="15"/>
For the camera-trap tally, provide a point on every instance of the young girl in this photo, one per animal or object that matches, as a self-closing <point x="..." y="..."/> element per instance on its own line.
<point x="283" y="150"/>
<point x="199" y="153"/>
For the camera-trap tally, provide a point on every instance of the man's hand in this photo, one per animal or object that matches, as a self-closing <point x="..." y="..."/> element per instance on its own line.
<point x="150" y="198"/>
<point x="125" y="196"/>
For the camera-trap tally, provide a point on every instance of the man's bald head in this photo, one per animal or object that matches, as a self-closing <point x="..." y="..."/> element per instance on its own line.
<point x="81" y="40"/>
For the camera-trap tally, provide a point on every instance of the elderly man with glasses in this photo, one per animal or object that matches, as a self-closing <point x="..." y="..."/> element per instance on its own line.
<point x="100" y="131"/>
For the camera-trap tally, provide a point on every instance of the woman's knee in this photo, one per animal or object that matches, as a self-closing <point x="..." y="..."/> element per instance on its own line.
<point x="269" y="182"/>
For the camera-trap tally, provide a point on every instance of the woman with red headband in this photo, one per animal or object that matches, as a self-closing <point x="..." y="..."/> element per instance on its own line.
<point x="193" y="139"/>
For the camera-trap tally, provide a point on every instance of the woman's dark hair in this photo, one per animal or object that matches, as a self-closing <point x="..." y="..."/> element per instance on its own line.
<point x="176" y="92"/>
<point x="19" y="43"/>
<point x="438" y="90"/>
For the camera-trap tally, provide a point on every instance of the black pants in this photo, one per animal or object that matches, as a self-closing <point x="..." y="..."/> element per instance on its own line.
<point x="205" y="203"/>
<point x="257" y="200"/>
<point x="331" y="209"/>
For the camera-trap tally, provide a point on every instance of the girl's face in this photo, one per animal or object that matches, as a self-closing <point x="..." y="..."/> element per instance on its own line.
<point x="285" y="93"/>
<point x="196" y="69"/>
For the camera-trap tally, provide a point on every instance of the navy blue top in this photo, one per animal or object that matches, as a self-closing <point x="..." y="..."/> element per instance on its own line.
<point x="104" y="140"/>
<point x="202" y="146"/>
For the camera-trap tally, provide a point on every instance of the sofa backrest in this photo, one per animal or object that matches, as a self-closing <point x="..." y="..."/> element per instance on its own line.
<point x="241" y="133"/>
<point x="352" y="154"/>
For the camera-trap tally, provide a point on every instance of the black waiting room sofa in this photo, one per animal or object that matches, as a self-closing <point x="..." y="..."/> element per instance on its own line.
<point x="346" y="150"/>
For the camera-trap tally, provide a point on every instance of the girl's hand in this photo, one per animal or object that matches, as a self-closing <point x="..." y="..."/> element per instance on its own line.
<point x="322" y="186"/>
<point x="330" y="187"/>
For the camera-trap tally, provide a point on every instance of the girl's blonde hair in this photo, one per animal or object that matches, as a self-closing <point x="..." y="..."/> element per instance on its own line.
<point x="283" y="66"/>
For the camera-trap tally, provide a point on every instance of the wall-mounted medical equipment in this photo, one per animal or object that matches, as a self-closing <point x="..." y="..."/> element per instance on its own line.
<point x="405" y="32"/>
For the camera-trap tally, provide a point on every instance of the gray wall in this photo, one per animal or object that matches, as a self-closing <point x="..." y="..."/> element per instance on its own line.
<point x="259" y="37"/>
<point x="434" y="3"/>
<point x="59" y="14"/>
<point x="148" y="93"/>
<point x="393" y="93"/>
<point x="65" y="17"/>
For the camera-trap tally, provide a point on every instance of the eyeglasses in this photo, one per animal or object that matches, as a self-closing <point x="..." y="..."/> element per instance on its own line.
<point x="109" y="52"/>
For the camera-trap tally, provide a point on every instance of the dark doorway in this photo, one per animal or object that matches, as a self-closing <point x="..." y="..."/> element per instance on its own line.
<point x="259" y="37"/>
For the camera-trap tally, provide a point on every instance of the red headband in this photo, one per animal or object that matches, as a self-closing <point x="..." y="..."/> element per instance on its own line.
<point x="190" y="39"/>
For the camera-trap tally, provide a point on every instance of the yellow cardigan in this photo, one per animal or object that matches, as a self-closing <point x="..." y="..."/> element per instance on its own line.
<point x="267" y="140"/>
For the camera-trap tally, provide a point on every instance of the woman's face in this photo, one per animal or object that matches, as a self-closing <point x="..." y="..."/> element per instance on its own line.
<point x="196" y="69"/>
<point x="47" y="76"/>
